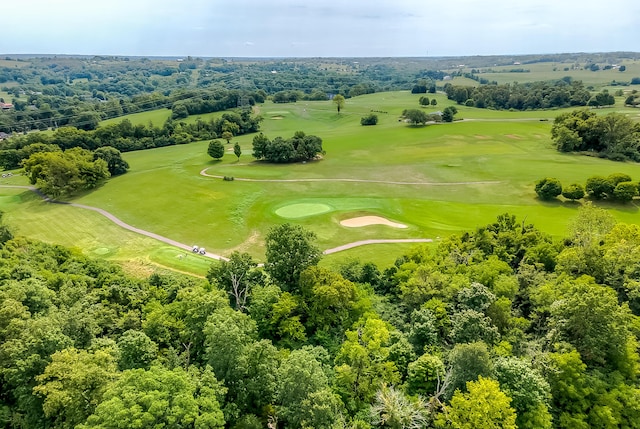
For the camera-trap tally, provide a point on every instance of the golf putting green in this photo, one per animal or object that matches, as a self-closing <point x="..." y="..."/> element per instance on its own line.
<point x="294" y="211"/>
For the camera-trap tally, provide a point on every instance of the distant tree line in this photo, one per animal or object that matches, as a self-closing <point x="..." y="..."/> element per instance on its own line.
<point x="300" y="147"/>
<point x="616" y="187"/>
<point x="526" y="96"/>
<point x="215" y="101"/>
<point x="613" y="136"/>
<point x="124" y="136"/>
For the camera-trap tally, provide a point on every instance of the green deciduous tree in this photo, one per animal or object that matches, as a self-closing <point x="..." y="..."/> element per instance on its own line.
<point x="290" y="251"/>
<point x="237" y="150"/>
<point x="338" y="101"/>
<point x="548" y="188"/>
<point x="424" y="374"/>
<point x="115" y="164"/>
<point x="73" y="383"/>
<point x="237" y="277"/>
<point x="467" y="362"/>
<point x="415" y="116"/>
<point x="599" y="187"/>
<point x="371" y="119"/>
<point x="299" y="378"/>
<point x="137" y="350"/>
<point x="484" y="406"/>
<point x="361" y="364"/>
<point x="159" y="397"/>
<point x="590" y="318"/>
<point x="573" y="192"/>
<point x="448" y="113"/>
<point x="215" y="149"/>
<point x="529" y="392"/>
<point x="64" y="173"/>
<point x="625" y="191"/>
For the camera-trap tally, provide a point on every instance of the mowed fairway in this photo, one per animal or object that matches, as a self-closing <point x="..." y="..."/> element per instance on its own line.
<point x="437" y="180"/>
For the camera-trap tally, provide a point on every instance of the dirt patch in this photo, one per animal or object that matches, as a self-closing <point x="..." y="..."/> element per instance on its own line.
<point x="357" y="222"/>
<point x="514" y="137"/>
<point x="482" y="137"/>
<point x="277" y="117"/>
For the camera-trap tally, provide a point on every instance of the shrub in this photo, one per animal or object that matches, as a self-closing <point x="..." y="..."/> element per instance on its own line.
<point x="548" y="188"/>
<point x="625" y="191"/>
<point x="599" y="187"/>
<point x="371" y="119"/>
<point x="228" y="178"/>
<point x="573" y="192"/>
<point x="616" y="178"/>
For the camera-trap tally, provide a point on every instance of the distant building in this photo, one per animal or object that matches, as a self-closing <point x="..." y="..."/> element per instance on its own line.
<point x="4" y="135"/>
<point x="6" y="106"/>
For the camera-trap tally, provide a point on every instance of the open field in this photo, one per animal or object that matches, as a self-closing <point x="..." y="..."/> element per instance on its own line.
<point x="461" y="175"/>
<point x="556" y="70"/>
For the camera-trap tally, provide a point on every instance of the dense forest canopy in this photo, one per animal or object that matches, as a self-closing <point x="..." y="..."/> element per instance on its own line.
<point x="498" y="327"/>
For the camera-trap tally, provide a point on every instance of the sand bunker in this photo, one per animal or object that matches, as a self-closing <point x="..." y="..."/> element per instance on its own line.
<point x="370" y="220"/>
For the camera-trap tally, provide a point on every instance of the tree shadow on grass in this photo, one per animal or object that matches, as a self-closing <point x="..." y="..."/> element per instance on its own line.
<point x="629" y="207"/>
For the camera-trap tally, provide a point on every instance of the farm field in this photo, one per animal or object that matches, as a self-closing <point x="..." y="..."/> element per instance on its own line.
<point x="436" y="180"/>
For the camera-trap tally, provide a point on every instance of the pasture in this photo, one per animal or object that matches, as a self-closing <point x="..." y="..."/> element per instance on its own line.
<point x="437" y="180"/>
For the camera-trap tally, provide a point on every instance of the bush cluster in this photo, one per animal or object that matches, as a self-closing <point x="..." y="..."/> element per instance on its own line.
<point x="615" y="187"/>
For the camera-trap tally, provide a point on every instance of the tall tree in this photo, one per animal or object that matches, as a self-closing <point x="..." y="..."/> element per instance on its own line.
<point x="290" y="250"/>
<point x="237" y="277"/>
<point x="338" y="100"/>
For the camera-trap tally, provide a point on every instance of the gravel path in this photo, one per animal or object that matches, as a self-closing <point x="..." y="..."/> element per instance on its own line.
<point x="376" y="241"/>
<point x="119" y="222"/>
<point x="384" y="182"/>
<point x="186" y="247"/>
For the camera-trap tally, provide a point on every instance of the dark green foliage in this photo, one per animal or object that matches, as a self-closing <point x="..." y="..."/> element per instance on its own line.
<point x="300" y="147"/>
<point x="290" y="250"/>
<point x="65" y="173"/>
<point x="415" y="116"/>
<point x="503" y="307"/>
<point x="371" y="119"/>
<point x="216" y="149"/>
<point x="535" y="95"/>
<point x="616" y="178"/>
<point x="136" y="350"/>
<point x="548" y="188"/>
<point x="448" y="113"/>
<point x="599" y="187"/>
<point x="467" y="362"/>
<point x="113" y="158"/>
<point x="573" y="192"/>
<point x="613" y="136"/>
<point x="625" y="191"/>
<point x="5" y="231"/>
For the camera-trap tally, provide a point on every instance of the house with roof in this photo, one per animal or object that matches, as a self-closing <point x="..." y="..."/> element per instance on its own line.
<point x="6" y="106"/>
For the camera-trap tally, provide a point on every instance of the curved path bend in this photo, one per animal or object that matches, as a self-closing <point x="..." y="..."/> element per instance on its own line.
<point x="117" y="221"/>
<point x="183" y="246"/>
<point x="383" y="182"/>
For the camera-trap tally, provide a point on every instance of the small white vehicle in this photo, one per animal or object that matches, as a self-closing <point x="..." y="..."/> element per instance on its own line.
<point x="202" y="251"/>
<point x="195" y="249"/>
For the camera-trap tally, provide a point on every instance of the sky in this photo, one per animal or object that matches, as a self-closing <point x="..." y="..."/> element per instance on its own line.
<point x="317" y="28"/>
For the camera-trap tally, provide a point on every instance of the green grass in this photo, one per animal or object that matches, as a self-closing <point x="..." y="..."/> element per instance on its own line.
<point x="156" y="117"/>
<point x="164" y="192"/>
<point x="556" y="70"/>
